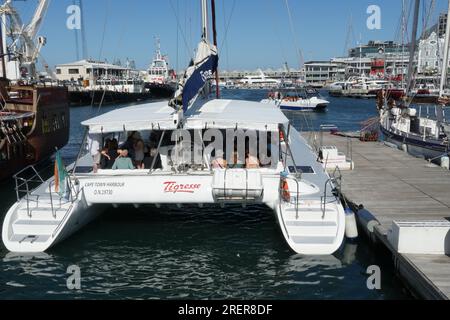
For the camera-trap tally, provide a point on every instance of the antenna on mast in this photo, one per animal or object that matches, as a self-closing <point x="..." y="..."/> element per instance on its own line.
<point x="213" y="10"/>
<point x="205" y="20"/>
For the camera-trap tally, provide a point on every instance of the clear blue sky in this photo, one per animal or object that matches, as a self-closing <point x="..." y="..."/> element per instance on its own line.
<point x="259" y="34"/>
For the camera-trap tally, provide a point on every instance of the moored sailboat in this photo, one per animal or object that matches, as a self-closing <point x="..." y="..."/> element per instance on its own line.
<point x="410" y="131"/>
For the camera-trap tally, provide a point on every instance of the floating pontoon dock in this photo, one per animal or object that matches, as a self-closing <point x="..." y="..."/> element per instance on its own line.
<point x="394" y="186"/>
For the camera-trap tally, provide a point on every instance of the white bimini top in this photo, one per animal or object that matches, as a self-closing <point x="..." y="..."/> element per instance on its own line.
<point x="214" y="114"/>
<point x="235" y="114"/>
<point x="150" y="116"/>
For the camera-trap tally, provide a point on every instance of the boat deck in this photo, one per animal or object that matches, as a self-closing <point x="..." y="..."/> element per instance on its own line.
<point x="393" y="185"/>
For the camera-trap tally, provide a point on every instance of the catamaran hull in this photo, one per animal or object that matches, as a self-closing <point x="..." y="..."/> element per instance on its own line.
<point x="42" y="238"/>
<point x="311" y="230"/>
<point x="417" y="147"/>
<point x="319" y="107"/>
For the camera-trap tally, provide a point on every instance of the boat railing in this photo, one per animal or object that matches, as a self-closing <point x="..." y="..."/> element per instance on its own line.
<point x="29" y="180"/>
<point x="335" y="183"/>
<point x="72" y="200"/>
<point x="25" y="181"/>
<point x="72" y="196"/>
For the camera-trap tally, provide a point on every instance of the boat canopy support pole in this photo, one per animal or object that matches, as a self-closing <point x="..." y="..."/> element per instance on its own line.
<point x="205" y="156"/>
<point x="83" y="142"/>
<point x="214" y="28"/>
<point x="157" y="152"/>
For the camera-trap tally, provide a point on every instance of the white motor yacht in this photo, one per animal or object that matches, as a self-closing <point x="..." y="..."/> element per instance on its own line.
<point x="306" y="99"/>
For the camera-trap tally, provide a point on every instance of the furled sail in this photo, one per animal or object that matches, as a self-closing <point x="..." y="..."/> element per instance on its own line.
<point x="199" y="72"/>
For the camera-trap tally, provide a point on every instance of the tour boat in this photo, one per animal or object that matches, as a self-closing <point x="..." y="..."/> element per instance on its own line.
<point x="307" y="99"/>
<point x="258" y="82"/>
<point x="198" y="157"/>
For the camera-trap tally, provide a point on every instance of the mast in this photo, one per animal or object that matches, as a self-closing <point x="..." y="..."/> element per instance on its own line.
<point x="2" y="52"/>
<point x="360" y="55"/>
<point x="213" y="10"/>
<point x="440" y="116"/>
<point x="446" y="55"/>
<point x="403" y="42"/>
<point x="205" y="20"/>
<point x="199" y="72"/>
<point x="413" y="46"/>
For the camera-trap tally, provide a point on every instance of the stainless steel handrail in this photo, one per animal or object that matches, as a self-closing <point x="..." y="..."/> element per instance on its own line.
<point x="51" y="199"/>
<point x="298" y="196"/>
<point x="25" y="183"/>
<point x="330" y="182"/>
<point x="323" y="202"/>
<point x="62" y="221"/>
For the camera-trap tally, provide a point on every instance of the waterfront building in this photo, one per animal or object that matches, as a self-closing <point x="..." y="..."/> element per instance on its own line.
<point x="372" y="49"/>
<point x="89" y="70"/>
<point x="351" y="66"/>
<point x="275" y="74"/>
<point x="320" y="72"/>
<point x="429" y="54"/>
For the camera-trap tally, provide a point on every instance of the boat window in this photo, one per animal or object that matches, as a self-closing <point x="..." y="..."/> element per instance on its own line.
<point x="74" y="71"/>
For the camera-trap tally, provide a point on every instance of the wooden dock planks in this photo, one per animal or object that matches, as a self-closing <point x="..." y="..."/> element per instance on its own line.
<point x="393" y="185"/>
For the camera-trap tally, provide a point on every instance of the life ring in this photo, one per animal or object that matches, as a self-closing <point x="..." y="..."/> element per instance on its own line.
<point x="285" y="193"/>
<point x="282" y="136"/>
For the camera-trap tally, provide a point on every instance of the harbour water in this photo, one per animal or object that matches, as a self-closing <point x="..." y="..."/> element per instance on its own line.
<point x="189" y="253"/>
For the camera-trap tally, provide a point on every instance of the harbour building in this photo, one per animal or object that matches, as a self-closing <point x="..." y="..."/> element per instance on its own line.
<point x="88" y="70"/>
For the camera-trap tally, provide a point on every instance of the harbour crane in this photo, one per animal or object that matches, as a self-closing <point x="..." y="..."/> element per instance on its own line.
<point x="23" y="52"/>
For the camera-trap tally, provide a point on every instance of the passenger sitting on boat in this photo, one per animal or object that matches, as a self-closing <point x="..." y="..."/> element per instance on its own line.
<point x="129" y="144"/>
<point x="251" y="162"/>
<point x="139" y="154"/>
<point x="265" y="160"/>
<point x="235" y="162"/>
<point x="123" y="162"/>
<point x="150" y="157"/>
<point x="110" y="154"/>
<point x="219" y="162"/>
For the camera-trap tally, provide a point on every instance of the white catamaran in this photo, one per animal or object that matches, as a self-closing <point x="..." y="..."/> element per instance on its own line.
<point x="267" y="162"/>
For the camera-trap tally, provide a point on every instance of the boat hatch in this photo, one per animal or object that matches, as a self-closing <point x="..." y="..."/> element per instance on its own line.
<point x="302" y="169"/>
<point x="237" y="185"/>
